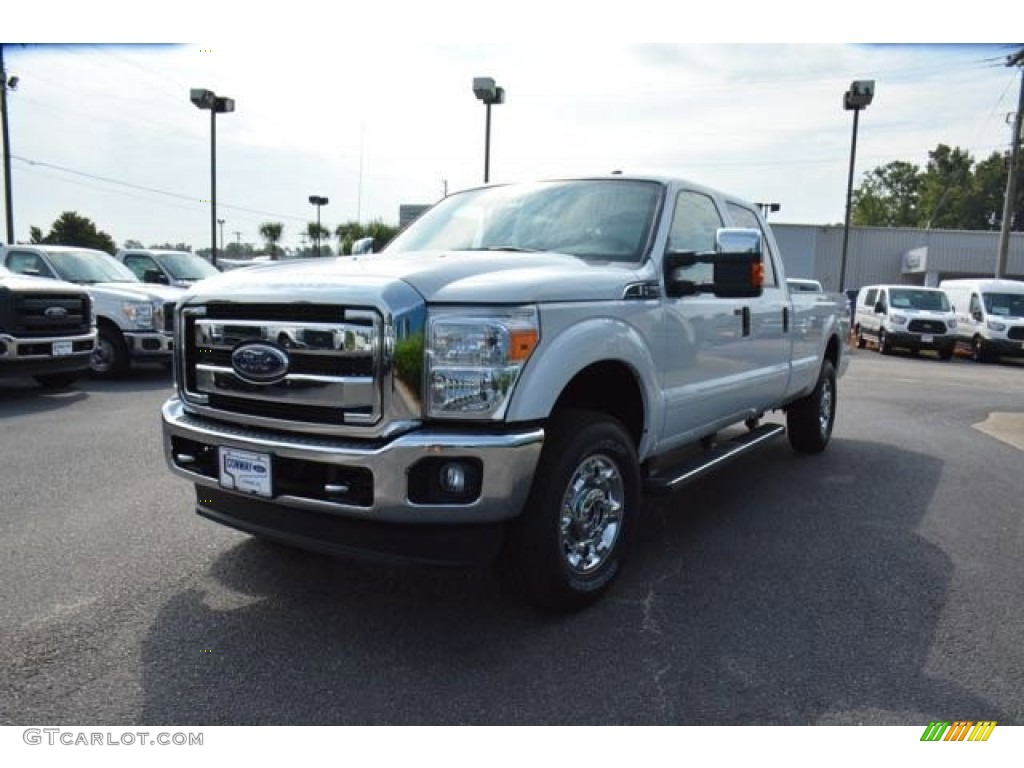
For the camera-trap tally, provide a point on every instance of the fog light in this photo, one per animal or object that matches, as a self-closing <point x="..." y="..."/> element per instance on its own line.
<point x="453" y="478"/>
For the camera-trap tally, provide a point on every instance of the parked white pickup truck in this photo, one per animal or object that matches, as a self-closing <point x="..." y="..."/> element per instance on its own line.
<point x="47" y="329"/>
<point x="133" y="318"/>
<point x="515" y="368"/>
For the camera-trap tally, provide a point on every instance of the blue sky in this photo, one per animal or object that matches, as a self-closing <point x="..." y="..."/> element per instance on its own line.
<point x="374" y="121"/>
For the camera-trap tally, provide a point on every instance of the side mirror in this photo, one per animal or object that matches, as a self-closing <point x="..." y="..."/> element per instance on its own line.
<point x="737" y="266"/>
<point x="363" y="245"/>
<point x="977" y="315"/>
<point x="155" y="276"/>
<point x="879" y="308"/>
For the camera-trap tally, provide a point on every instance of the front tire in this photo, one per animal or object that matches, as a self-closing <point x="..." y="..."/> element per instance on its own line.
<point x="979" y="353"/>
<point x="569" y="544"/>
<point x="110" y="357"/>
<point x="809" y="421"/>
<point x="884" y="345"/>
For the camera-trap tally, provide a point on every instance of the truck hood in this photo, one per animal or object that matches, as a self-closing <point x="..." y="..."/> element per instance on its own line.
<point x="136" y="291"/>
<point x="439" y="276"/>
<point x="36" y="284"/>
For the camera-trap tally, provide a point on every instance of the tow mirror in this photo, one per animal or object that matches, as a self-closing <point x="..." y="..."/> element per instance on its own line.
<point x="154" y="276"/>
<point x="737" y="266"/>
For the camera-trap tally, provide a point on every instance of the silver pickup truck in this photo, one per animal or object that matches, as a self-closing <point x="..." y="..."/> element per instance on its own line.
<point x="507" y="377"/>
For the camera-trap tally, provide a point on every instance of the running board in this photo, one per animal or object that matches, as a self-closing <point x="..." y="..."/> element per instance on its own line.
<point x="678" y="476"/>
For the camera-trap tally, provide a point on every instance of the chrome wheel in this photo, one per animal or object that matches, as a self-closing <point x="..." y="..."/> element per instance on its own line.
<point x="104" y="356"/>
<point x="825" y="407"/>
<point x="591" y="513"/>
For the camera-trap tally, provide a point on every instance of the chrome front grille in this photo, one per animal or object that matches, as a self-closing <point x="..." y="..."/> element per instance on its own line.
<point x="333" y="363"/>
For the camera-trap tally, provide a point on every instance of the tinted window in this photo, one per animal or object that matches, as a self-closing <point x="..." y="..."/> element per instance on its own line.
<point x="27" y="263"/>
<point x="139" y="265"/>
<point x="746" y="218"/>
<point x="695" y="222"/>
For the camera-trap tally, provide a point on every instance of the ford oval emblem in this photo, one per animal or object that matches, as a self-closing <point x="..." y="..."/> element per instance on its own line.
<point x="259" y="363"/>
<point x="55" y="312"/>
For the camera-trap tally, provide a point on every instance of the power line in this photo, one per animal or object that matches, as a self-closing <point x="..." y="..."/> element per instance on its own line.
<point x="152" y="190"/>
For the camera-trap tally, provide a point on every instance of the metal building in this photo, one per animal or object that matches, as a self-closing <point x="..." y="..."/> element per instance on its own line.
<point x="893" y="255"/>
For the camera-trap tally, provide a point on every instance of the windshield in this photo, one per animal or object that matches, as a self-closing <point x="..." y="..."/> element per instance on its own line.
<point x="919" y="298"/>
<point x="599" y="220"/>
<point x="186" y="266"/>
<point x="90" y="267"/>
<point x="1005" y="304"/>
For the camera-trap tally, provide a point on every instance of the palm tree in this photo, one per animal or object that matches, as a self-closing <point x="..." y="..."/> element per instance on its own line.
<point x="271" y="232"/>
<point x="318" y="233"/>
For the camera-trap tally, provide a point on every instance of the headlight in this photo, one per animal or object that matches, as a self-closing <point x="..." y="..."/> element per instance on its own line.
<point x="139" y="313"/>
<point x="474" y="358"/>
<point x="898" y="319"/>
<point x="994" y="326"/>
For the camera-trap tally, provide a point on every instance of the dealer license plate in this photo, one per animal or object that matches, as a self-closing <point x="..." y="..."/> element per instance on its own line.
<point x="927" y="338"/>
<point x="245" y="471"/>
<point x="61" y="348"/>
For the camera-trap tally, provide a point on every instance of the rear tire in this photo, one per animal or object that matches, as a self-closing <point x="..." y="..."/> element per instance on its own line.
<point x="809" y="421"/>
<point x="570" y="542"/>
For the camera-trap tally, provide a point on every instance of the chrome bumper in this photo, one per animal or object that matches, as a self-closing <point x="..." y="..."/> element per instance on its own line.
<point x="508" y="460"/>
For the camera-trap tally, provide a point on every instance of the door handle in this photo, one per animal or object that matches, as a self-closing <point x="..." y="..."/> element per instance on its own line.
<point x="745" y="314"/>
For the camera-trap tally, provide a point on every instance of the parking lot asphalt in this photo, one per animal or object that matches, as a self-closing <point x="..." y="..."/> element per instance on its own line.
<point x="878" y="582"/>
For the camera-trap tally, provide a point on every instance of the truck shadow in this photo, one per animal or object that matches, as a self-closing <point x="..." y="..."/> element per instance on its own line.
<point x="22" y="395"/>
<point x="785" y="590"/>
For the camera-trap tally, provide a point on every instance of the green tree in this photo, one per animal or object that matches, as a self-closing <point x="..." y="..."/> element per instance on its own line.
<point x="319" y="233"/>
<point x="271" y="232"/>
<point x="347" y="234"/>
<point x="952" y="192"/>
<point x="71" y="229"/>
<point x="888" y="196"/>
<point x="946" y="189"/>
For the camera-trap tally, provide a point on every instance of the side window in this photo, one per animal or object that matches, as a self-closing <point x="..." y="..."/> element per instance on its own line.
<point x="694" y="224"/>
<point x="746" y="218"/>
<point x="139" y="265"/>
<point x="27" y="263"/>
<point x="870" y="298"/>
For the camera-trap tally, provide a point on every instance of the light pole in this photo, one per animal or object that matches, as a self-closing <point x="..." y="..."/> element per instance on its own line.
<point x="857" y="98"/>
<point x="1017" y="60"/>
<point x="221" y="222"/>
<point x="206" y="99"/>
<point x="317" y="201"/>
<point x="489" y="93"/>
<point x="7" y="83"/>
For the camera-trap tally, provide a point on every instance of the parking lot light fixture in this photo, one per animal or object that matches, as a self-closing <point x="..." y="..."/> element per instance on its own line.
<point x="207" y="99"/>
<point x="485" y="89"/>
<point x="857" y="98"/>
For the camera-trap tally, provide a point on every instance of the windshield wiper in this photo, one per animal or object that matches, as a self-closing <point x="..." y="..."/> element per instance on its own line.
<point x="509" y="248"/>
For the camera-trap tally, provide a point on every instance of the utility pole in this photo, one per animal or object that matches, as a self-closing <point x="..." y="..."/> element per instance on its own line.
<point x="6" y="84"/>
<point x="1016" y="60"/>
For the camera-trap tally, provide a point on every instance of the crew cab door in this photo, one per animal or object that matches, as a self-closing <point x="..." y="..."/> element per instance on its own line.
<point x="708" y="358"/>
<point x="772" y="320"/>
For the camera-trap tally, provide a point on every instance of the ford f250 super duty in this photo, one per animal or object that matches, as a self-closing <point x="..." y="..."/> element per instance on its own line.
<point x="507" y="376"/>
<point x="47" y="329"/>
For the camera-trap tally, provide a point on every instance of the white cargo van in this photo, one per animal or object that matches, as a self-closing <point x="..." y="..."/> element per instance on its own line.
<point x="989" y="316"/>
<point x="907" y="316"/>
